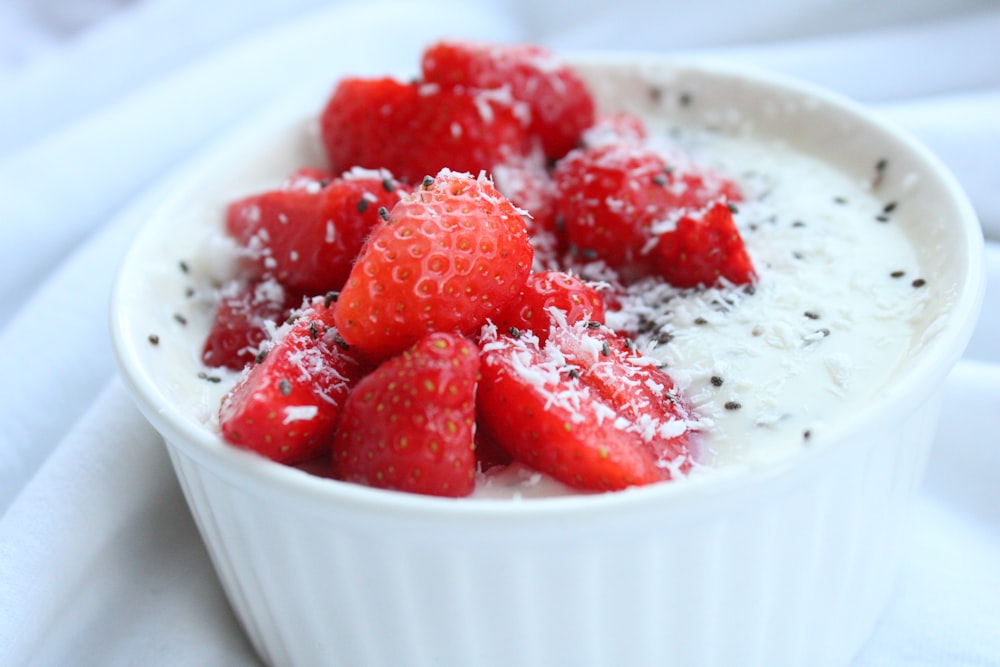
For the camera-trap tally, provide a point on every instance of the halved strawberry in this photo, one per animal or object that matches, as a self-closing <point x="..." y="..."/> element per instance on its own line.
<point x="561" y="106"/>
<point x="573" y="300"/>
<point x="286" y="406"/>
<point x="610" y="196"/>
<point x="416" y="129"/>
<point x="307" y="234"/>
<point x="448" y="257"/>
<point x="410" y="424"/>
<point x="704" y="247"/>
<point x="584" y="409"/>
<point x="242" y="319"/>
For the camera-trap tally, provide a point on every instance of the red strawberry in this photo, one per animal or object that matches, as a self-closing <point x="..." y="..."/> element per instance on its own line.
<point x="529" y="186"/>
<point x="575" y="301"/>
<point x="448" y="257"/>
<point x="307" y="235"/>
<point x="308" y="178"/>
<point x="615" y="128"/>
<point x="409" y="425"/>
<point x="244" y="313"/>
<point x="489" y="454"/>
<point x="583" y="409"/>
<point x="286" y="407"/>
<point x="610" y="196"/>
<point x="704" y="247"/>
<point x="415" y="129"/>
<point x="642" y="393"/>
<point x="561" y="106"/>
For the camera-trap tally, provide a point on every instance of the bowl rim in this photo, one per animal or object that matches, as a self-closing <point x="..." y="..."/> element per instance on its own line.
<point x="244" y="468"/>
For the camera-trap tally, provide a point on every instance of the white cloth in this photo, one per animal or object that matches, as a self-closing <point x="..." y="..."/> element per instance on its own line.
<point x="100" y="562"/>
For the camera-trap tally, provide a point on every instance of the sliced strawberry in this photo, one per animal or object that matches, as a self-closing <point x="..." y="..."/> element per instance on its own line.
<point x="572" y="299"/>
<point x="561" y="106"/>
<point x="610" y="196"/>
<point x="245" y="313"/>
<point x="286" y="406"/>
<point x="583" y="409"/>
<point x="409" y="425"/>
<point x="448" y="257"/>
<point x="416" y="129"/>
<point x="307" y="235"/>
<point x="641" y="392"/>
<point x="704" y="248"/>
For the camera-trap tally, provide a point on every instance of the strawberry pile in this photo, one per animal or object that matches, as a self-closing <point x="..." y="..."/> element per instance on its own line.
<point x="413" y="311"/>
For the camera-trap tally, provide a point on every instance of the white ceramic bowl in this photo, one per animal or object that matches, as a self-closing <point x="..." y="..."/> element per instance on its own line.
<point x="784" y="564"/>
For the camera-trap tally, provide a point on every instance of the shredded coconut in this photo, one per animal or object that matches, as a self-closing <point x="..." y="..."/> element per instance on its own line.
<point x="295" y="413"/>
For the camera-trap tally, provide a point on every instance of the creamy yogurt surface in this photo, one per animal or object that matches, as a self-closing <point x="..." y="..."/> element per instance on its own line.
<point x="767" y="367"/>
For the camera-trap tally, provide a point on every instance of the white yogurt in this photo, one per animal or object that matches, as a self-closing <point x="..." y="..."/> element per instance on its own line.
<point x="831" y="316"/>
<point x="833" y="313"/>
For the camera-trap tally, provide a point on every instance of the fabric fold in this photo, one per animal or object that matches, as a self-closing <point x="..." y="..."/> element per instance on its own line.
<point x="89" y="70"/>
<point x="964" y="132"/>
<point x="101" y="551"/>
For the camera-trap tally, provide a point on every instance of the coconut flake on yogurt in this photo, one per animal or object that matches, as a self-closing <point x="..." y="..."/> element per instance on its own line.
<point x="832" y="314"/>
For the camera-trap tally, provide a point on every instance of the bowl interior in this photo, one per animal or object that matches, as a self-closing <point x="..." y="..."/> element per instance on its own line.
<point x="169" y="256"/>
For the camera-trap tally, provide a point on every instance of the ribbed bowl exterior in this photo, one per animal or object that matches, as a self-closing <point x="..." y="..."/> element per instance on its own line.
<point x="791" y="572"/>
